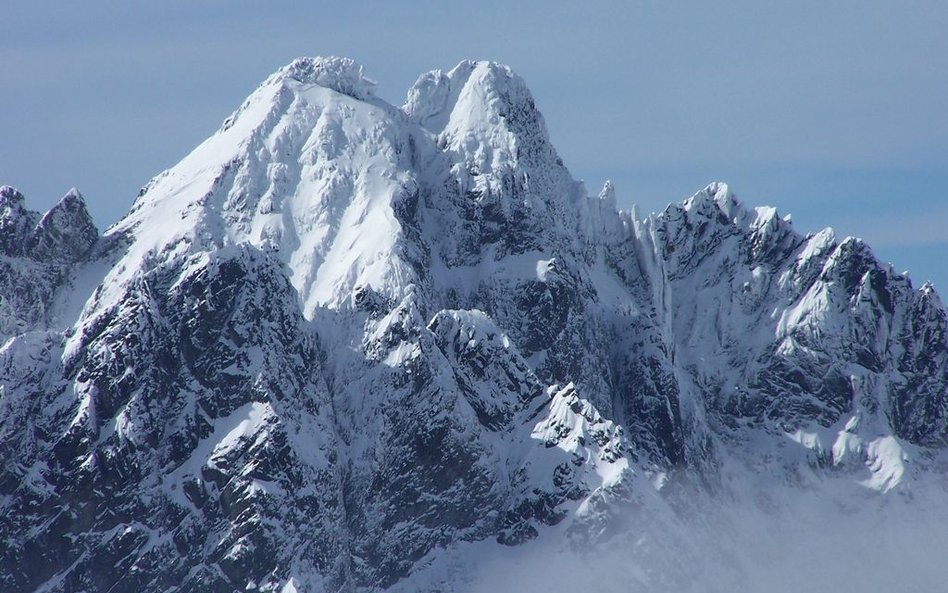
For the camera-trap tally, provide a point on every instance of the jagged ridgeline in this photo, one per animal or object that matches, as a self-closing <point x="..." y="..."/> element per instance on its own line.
<point x="349" y="346"/>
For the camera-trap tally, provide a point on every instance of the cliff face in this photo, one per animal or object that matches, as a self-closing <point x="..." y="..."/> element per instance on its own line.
<point x="342" y="339"/>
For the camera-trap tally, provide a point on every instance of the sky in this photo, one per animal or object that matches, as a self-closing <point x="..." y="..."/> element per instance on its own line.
<point x="833" y="112"/>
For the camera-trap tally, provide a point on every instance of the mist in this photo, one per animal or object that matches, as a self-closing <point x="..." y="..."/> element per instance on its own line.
<point x="838" y="536"/>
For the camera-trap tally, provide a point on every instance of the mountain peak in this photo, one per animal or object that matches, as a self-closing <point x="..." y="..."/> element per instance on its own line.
<point x="10" y="197"/>
<point x="485" y="118"/>
<point x="72" y="200"/>
<point x="66" y="231"/>
<point x="343" y="75"/>
<point x="716" y="196"/>
<point x="471" y="88"/>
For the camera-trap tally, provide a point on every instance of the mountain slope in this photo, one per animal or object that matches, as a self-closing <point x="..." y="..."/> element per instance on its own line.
<point x="343" y="342"/>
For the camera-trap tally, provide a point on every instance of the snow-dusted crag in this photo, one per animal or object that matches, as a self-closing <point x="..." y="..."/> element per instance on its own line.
<point x="342" y="342"/>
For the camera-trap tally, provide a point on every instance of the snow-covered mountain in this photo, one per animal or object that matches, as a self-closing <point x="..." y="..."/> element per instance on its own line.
<point x="349" y="346"/>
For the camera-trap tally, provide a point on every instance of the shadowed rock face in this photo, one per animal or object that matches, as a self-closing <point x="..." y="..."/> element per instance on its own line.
<point x="371" y="336"/>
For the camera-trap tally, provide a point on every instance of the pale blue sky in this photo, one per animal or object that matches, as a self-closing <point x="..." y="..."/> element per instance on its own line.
<point x="833" y="112"/>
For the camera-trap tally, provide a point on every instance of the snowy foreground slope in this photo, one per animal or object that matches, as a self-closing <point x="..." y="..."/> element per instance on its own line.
<point x="347" y="346"/>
